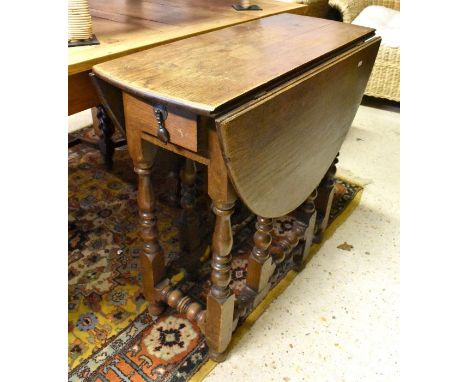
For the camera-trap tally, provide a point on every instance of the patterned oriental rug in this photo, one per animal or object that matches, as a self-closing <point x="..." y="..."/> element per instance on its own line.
<point x="111" y="335"/>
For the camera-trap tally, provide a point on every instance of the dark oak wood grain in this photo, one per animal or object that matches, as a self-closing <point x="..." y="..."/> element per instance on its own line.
<point x="278" y="149"/>
<point x="207" y="72"/>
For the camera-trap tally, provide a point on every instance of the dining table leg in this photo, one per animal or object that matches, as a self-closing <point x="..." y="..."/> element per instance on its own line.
<point x="220" y="299"/>
<point x="152" y="262"/>
<point x="190" y="230"/>
<point x="308" y="217"/>
<point x="105" y="131"/>
<point x="260" y="266"/>
<point x="324" y="200"/>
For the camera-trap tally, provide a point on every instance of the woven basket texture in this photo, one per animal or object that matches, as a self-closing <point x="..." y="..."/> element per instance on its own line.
<point x="384" y="81"/>
<point x="79" y="20"/>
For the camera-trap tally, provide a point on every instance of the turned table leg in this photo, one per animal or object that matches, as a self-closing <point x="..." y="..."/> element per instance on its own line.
<point x="152" y="257"/>
<point x="323" y="203"/>
<point x="190" y="232"/>
<point x="308" y="217"/>
<point x="220" y="300"/>
<point x="260" y="266"/>
<point x="106" y="131"/>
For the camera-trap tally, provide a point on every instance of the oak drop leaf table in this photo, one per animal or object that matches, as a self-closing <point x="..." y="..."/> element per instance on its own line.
<point x="265" y="105"/>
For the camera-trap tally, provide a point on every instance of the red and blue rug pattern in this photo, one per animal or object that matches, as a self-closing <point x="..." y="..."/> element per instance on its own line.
<point x="112" y="337"/>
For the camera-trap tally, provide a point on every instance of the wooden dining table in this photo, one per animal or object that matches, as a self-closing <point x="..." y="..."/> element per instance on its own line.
<point x="265" y="107"/>
<point x="123" y="27"/>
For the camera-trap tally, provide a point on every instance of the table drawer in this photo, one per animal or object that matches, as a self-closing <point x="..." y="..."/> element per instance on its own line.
<point x="181" y="126"/>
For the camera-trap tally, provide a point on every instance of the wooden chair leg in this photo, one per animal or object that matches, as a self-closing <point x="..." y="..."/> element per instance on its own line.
<point x="323" y="203"/>
<point x="220" y="300"/>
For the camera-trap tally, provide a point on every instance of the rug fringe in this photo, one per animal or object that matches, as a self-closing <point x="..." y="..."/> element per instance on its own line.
<point x="282" y="285"/>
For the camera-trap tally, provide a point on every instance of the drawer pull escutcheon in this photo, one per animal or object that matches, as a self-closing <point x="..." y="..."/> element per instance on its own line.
<point x="160" y="112"/>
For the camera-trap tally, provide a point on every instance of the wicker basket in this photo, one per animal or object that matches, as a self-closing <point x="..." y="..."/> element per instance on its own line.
<point x="315" y="8"/>
<point x="384" y="81"/>
<point x="79" y="21"/>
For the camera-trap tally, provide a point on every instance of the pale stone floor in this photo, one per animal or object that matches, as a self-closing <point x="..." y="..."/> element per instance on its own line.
<point x="339" y="318"/>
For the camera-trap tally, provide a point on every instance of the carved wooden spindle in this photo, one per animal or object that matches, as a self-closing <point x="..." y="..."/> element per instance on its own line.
<point x="221" y="246"/>
<point x="152" y="257"/>
<point x="220" y="300"/>
<point x="190" y="234"/>
<point x="106" y="131"/>
<point x="173" y="187"/>
<point x="282" y="248"/>
<point x="309" y="205"/>
<point x="326" y="192"/>
<point x="188" y="175"/>
<point x="260" y="265"/>
<point x="183" y="304"/>
<point x="308" y="216"/>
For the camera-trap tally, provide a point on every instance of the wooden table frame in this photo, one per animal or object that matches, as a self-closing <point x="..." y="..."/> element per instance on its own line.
<point x="220" y="318"/>
<point x="244" y="144"/>
<point x="270" y="137"/>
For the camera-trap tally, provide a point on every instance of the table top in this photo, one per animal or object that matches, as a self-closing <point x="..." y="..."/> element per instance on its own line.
<point x="128" y="26"/>
<point x="206" y="72"/>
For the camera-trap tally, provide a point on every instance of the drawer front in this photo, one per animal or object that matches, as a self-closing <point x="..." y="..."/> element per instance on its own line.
<point x="181" y="126"/>
<point x="278" y="147"/>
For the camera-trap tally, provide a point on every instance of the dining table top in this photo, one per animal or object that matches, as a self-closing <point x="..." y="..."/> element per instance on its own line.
<point x="127" y="26"/>
<point x="208" y="71"/>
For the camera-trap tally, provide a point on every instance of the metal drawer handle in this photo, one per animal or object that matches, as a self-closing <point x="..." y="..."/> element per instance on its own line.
<point x="160" y="112"/>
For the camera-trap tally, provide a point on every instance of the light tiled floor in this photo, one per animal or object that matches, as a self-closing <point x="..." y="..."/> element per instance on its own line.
<point x="339" y="319"/>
